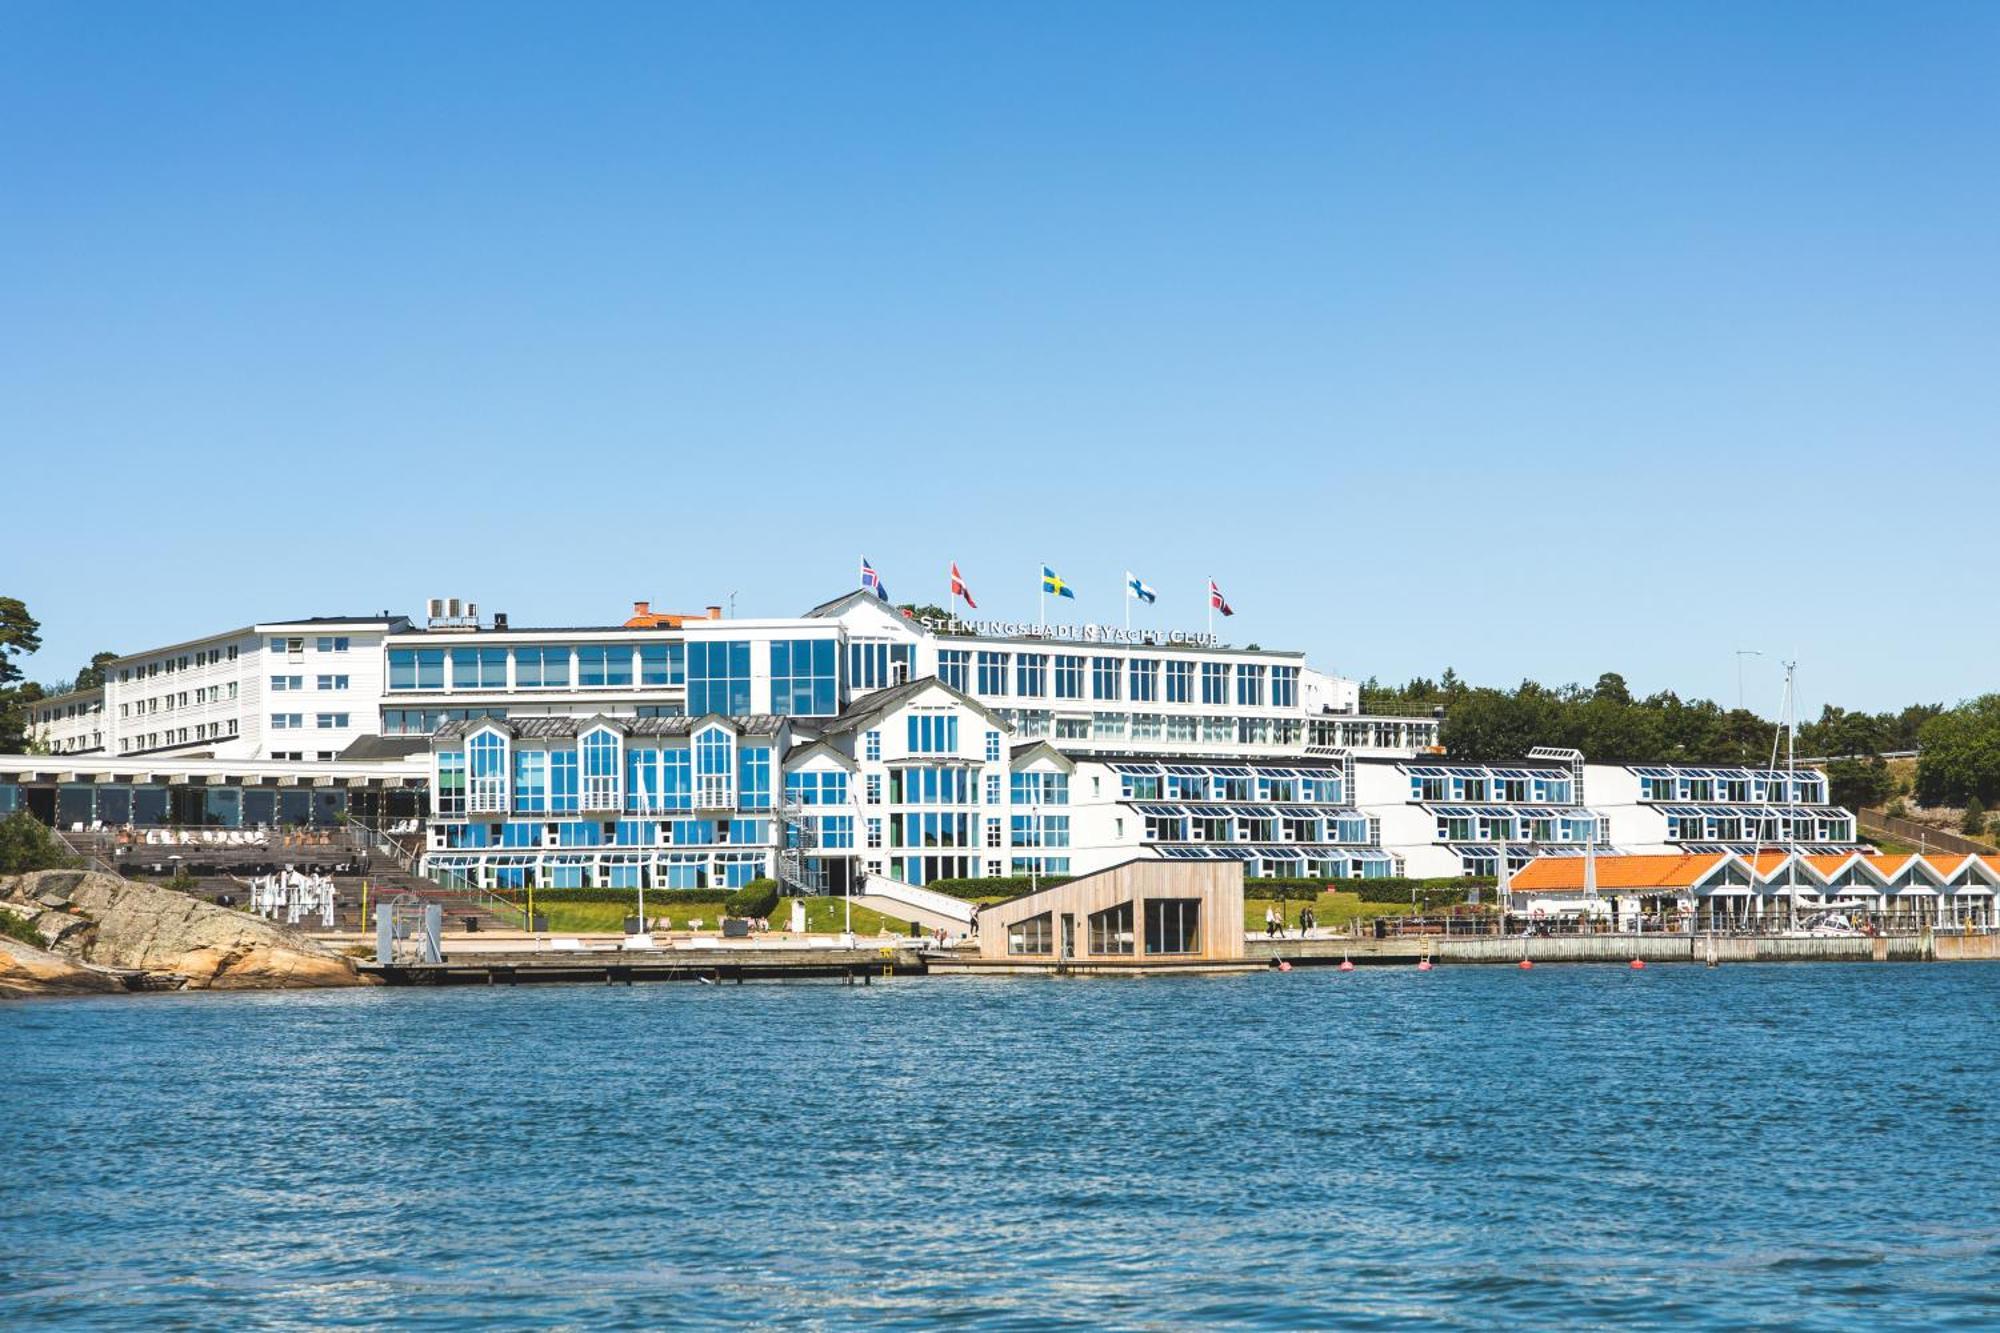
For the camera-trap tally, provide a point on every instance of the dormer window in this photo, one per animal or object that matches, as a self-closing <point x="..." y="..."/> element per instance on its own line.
<point x="486" y="773"/>
<point x="599" y="753"/>
<point x="715" y="769"/>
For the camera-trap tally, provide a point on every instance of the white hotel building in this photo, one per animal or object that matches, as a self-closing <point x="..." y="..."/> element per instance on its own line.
<point x="849" y="741"/>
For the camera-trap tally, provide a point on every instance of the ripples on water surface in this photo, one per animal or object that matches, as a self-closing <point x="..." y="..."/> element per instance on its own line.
<point x="1813" y="1145"/>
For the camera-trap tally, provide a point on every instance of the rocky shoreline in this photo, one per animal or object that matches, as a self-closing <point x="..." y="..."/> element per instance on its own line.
<point x="101" y="934"/>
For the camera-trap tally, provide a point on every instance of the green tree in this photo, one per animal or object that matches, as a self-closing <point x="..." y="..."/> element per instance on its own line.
<point x="1974" y="822"/>
<point x="26" y="844"/>
<point x="1961" y="754"/>
<point x="20" y="635"/>
<point x="1855" y="783"/>
<point x="92" y="676"/>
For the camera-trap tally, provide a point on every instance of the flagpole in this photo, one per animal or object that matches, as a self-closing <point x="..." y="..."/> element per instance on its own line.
<point x="1128" y="603"/>
<point x="1211" y="606"/>
<point x="1042" y="620"/>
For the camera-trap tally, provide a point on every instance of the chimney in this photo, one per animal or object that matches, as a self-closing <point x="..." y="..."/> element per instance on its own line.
<point x="641" y="609"/>
<point x="715" y="613"/>
<point x="499" y="620"/>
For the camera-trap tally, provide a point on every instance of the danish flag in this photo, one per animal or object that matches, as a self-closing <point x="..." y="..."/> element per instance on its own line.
<point x="958" y="588"/>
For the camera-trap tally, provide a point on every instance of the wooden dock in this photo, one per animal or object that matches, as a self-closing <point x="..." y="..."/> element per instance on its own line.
<point x="719" y="965"/>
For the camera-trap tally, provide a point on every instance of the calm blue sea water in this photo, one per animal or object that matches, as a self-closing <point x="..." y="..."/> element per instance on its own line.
<point x="1813" y="1146"/>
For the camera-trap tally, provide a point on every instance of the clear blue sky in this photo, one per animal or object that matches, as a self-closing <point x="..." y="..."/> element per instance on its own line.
<point x="1533" y="340"/>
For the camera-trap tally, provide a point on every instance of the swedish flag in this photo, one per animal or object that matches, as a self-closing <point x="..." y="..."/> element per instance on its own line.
<point x="1053" y="582"/>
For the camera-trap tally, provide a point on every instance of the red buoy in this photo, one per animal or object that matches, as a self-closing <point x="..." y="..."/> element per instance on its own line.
<point x="1638" y="963"/>
<point x="1284" y="966"/>
<point x="1423" y="965"/>
<point x="1527" y="963"/>
<point x="1347" y="964"/>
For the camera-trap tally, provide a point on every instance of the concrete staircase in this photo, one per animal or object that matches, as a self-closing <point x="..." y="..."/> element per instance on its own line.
<point x="907" y="902"/>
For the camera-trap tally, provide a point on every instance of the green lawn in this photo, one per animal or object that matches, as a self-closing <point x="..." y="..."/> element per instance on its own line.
<point x="822" y="914"/>
<point x="1333" y="908"/>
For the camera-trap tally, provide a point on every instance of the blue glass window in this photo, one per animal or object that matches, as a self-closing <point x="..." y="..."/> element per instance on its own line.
<point x="1069" y="676"/>
<point x="718" y="678"/>
<point x="416" y="668"/>
<point x="993" y="673"/>
<point x="531" y="781"/>
<point x="562" y="781"/>
<point x="1180" y="682"/>
<point x="486" y="765"/>
<point x="642" y="780"/>
<point x="479" y="668"/>
<point x="1215" y="682"/>
<point x="1040" y="789"/>
<point x="662" y="664"/>
<point x="951" y="667"/>
<point x="600" y="770"/>
<point x="932" y="733"/>
<point x="992" y="747"/>
<point x="1104" y="676"/>
<point x="676" y="779"/>
<point x="451" y="782"/>
<point x="542" y="668"/>
<point x="579" y="833"/>
<point x="1145" y="680"/>
<point x="1031" y="675"/>
<point x="1250" y="685"/>
<point x="803" y="678"/>
<point x="817" y="788"/>
<point x="1284" y="687"/>
<point x="604" y="665"/>
<point x="871" y="666"/>
<point x="714" y="770"/>
<point x="754" y="778"/>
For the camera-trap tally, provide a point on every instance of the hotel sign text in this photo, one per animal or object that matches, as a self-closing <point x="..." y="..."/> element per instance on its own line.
<point x="1013" y="629"/>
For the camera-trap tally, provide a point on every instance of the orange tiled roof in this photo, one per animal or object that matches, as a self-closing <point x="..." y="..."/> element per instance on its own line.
<point x="1652" y="871"/>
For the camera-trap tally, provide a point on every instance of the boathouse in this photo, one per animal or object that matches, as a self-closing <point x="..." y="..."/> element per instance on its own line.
<point x="1141" y="914"/>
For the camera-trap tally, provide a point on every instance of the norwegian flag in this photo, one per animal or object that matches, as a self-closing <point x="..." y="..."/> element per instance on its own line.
<point x="958" y="588"/>
<point x="1216" y="600"/>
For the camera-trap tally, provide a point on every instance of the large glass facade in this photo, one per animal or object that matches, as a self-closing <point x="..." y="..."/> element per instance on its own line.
<point x="718" y="678"/>
<point x="804" y="679"/>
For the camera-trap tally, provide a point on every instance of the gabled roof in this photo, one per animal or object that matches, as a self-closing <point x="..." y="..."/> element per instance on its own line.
<point x="1033" y="750"/>
<point x="556" y="727"/>
<point x="1663" y="871"/>
<point x="883" y="702"/>
<point x="861" y="597"/>
<point x="800" y="754"/>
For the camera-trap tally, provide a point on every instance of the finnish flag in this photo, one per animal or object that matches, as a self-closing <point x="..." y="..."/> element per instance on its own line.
<point x="1136" y="587"/>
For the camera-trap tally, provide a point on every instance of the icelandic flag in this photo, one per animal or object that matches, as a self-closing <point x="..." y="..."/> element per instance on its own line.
<point x="958" y="588"/>
<point x="1215" y="599"/>
<point x="872" y="581"/>
<point x="1055" y="583"/>
<point x="1136" y="587"/>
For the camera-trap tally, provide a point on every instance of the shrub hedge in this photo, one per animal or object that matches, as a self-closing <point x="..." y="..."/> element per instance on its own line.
<point x="662" y="898"/>
<point x="1000" y="886"/>
<point x="757" y="898"/>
